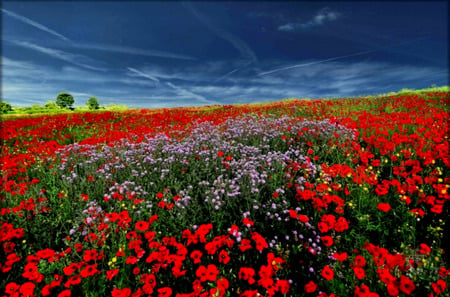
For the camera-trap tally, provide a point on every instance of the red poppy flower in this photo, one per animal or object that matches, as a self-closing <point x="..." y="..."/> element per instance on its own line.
<point x="212" y="272"/>
<point x="142" y="226"/>
<point x="89" y="270"/>
<point x="384" y="207"/>
<point x="406" y="285"/>
<point x="111" y="273"/>
<point x="340" y="256"/>
<point x="245" y="245"/>
<point x="247" y="273"/>
<point x="327" y="240"/>
<point x="283" y="286"/>
<point x="196" y="255"/>
<point x="224" y="257"/>
<point x="439" y="286"/>
<point x="303" y="218"/>
<point x="65" y="293"/>
<point x="164" y="292"/>
<point x="11" y="288"/>
<point x="125" y="292"/>
<point x="27" y="289"/>
<point x="359" y="261"/>
<point x="359" y="272"/>
<point x="327" y="273"/>
<point x="392" y="290"/>
<point x="310" y="287"/>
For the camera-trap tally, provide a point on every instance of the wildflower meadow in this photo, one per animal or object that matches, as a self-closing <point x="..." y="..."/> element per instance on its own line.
<point x="333" y="197"/>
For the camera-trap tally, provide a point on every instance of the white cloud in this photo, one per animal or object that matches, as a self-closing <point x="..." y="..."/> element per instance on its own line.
<point x="323" y="16"/>
<point x="140" y="73"/>
<point x="34" y="24"/>
<point x="245" y="50"/>
<point x="74" y="59"/>
<point x="132" y="51"/>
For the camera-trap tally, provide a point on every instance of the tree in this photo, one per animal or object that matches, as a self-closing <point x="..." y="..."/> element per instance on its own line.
<point x="65" y="100"/>
<point x="5" y="107"/>
<point x="92" y="103"/>
<point x="51" y="105"/>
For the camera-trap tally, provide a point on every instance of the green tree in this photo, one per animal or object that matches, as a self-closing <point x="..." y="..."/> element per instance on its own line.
<point x="92" y="103"/>
<point x="65" y="100"/>
<point x="51" y="105"/>
<point x="5" y="107"/>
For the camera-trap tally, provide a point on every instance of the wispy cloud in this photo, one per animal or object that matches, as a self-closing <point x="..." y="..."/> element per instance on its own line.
<point x="100" y="47"/>
<point x="34" y="24"/>
<point x="323" y="16"/>
<point x="186" y="93"/>
<point x="142" y="74"/>
<point x="74" y="59"/>
<point x="132" y="51"/>
<point x="314" y="62"/>
<point x="183" y="92"/>
<point x="232" y="71"/>
<point x="237" y="43"/>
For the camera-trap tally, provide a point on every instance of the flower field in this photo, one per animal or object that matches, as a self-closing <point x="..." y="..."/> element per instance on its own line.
<point x="343" y="197"/>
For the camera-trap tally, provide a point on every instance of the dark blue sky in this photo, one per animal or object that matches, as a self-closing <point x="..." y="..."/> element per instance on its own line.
<point x="161" y="54"/>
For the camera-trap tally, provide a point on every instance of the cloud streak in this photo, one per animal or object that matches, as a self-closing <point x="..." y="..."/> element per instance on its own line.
<point x="237" y="43"/>
<point x="142" y="74"/>
<point x="325" y="15"/>
<point x="34" y="24"/>
<point x="313" y="63"/>
<point x="74" y="59"/>
<point x="187" y="93"/>
<point x="179" y="90"/>
<point x="133" y="51"/>
<point x="100" y="47"/>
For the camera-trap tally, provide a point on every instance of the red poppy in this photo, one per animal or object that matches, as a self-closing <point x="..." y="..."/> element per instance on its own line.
<point x="283" y="286"/>
<point x="327" y="240"/>
<point x="303" y="218"/>
<point x="27" y="289"/>
<point x="384" y="207"/>
<point x="111" y="273"/>
<point x="247" y="273"/>
<point x="310" y="287"/>
<point x="89" y="270"/>
<point x="142" y="226"/>
<point x="327" y="273"/>
<point x="196" y="255"/>
<point x="65" y="293"/>
<point x="359" y="261"/>
<point x="224" y="257"/>
<point x="164" y="292"/>
<point x="406" y="285"/>
<point x="125" y="292"/>
<point x="439" y="286"/>
<point x="11" y="288"/>
<point x="359" y="272"/>
<point x="340" y="256"/>
<point x="260" y="241"/>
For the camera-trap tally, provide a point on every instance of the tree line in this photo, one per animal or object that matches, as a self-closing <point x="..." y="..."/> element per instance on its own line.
<point x="63" y="100"/>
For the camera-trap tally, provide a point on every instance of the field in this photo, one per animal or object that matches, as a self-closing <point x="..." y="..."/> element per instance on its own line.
<point x="342" y="197"/>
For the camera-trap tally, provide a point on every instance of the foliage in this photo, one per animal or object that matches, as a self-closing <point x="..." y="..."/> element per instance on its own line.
<point x="51" y="105"/>
<point x="64" y="100"/>
<point x="92" y="103"/>
<point x="5" y="107"/>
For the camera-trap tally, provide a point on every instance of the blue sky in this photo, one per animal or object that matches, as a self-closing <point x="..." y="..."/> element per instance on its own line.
<point x="164" y="54"/>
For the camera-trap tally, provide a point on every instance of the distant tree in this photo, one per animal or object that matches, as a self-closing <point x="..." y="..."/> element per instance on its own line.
<point x="5" y="107"/>
<point x="92" y="103"/>
<point x="65" y="100"/>
<point x="51" y="105"/>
